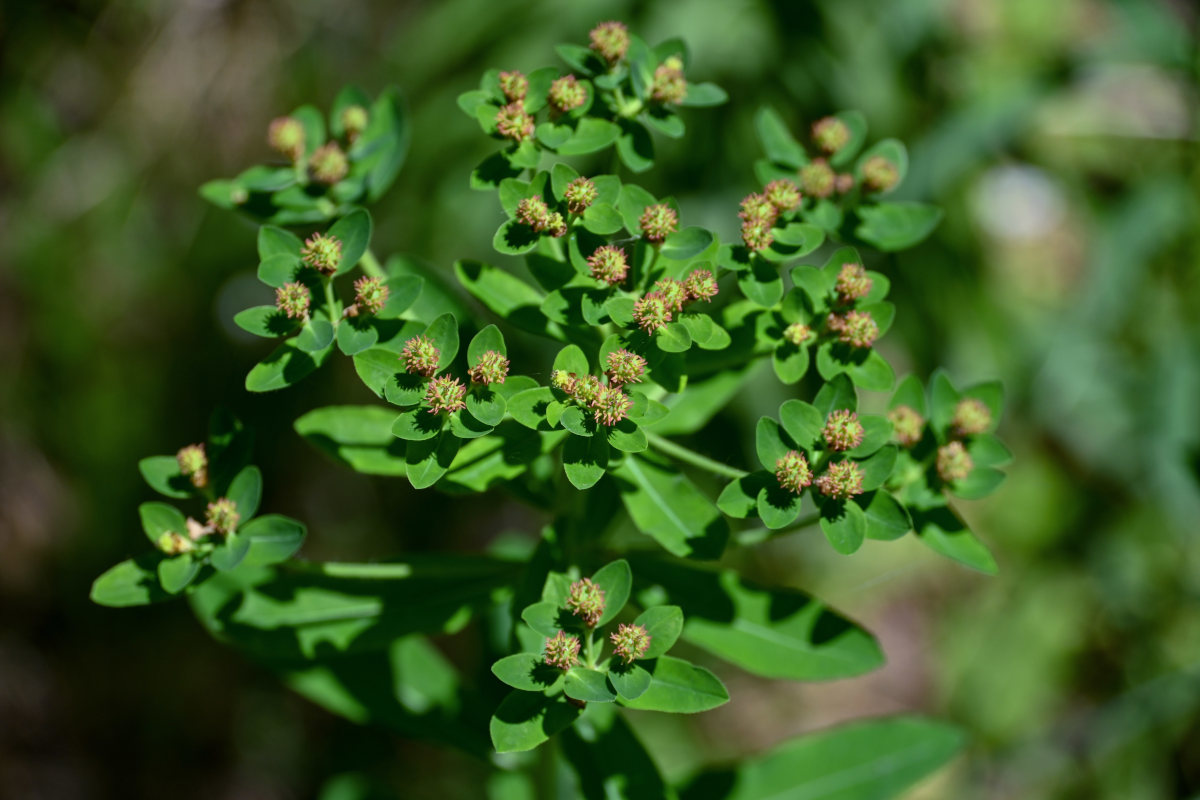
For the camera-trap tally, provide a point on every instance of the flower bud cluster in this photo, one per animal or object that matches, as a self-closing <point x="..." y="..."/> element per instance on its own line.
<point x="630" y="642"/>
<point x="286" y="137"/>
<point x="420" y="356"/>
<point x="797" y="333"/>
<point x="580" y="194"/>
<point x="222" y="516"/>
<point x="608" y="264"/>
<point x="174" y="544"/>
<point x="445" y="394"/>
<point x="953" y="462"/>
<point x="610" y="40"/>
<point x="842" y="431"/>
<point x="513" y="122"/>
<point x="514" y="85"/>
<point x="328" y="164"/>
<point x="841" y="481"/>
<point x="370" y="296"/>
<point x="585" y="599"/>
<point x="562" y="650"/>
<point x="879" y="174"/>
<point x="293" y="299"/>
<point x="758" y="215"/>
<point x="566" y="94"/>
<point x="908" y="425"/>
<point x="534" y="212"/>
<point x="830" y="135"/>
<point x="193" y="463"/>
<point x="323" y="253"/>
<point x="354" y="121"/>
<point x="852" y="284"/>
<point x="855" y="328"/>
<point x="492" y="367"/>
<point x="793" y="472"/>
<point x="624" y="367"/>
<point x="817" y="178"/>
<point x="669" y="85"/>
<point x="658" y="222"/>
<point x="607" y="402"/>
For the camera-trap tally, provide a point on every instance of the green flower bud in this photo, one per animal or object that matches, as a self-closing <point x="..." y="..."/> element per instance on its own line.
<point x="879" y="174"/>
<point x="445" y="394"/>
<point x="420" y="356"/>
<point x="512" y="122"/>
<point x="783" y="195"/>
<point x="370" y="295"/>
<point x="328" y="164"/>
<point x="907" y="425"/>
<point x="222" y="516"/>
<point x="293" y="300"/>
<point x="856" y="328"/>
<point x="841" y="481"/>
<point x="757" y="235"/>
<point x="173" y="543"/>
<point x="579" y="194"/>
<point x="830" y="135"/>
<point x="514" y="85"/>
<point x="286" y="137"/>
<point x="673" y="293"/>
<point x="658" y="222"/>
<point x="608" y="264"/>
<point x="564" y="381"/>
<point x="585" y="599"/>
<point x="793" y="472"/>
<point x="842" y="431"/>
<point x="651" y="312"/>
<point x="843" y="183"/>
<point x="625" y="367"/>
<point x="492" y="367"/>
<point x="817" y="178"/>
<point x="701" y="285"/>
<point x="953" y="462"/>
<point x="669" y="85"/>
<point x="853" y="283"/>
<point x="323" y="253"/>
<point x="566" y="94"/>
<point x="971" y="416"/>
<point x="193" y="463"/>
<point x="611" y="406"/>
<point x="587" y="390"/>
<point x="610" y="40"/>
<point x="797" y="333"/>
<point x="758" y="208"/>
<point x="534" y="212"/>
<point x="562" y="650"/>
<point x="630" y="642"/>
<point x="354" y="121"/>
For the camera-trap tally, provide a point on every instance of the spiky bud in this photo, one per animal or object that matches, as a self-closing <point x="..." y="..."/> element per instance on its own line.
<point x="420" y="356"/>
<point x="757" y="208"/>
<point x="512" y="122"/>
<point x="630" y="642"/>
<point x="587" y="390"/>
<point x="757" y="235"/>
<point x="173" y="543"/>
<point x="841" y="481"/>
<point x="953" y="462"/>
<point x="856" y="328"/>
<point x="566" y="94"/>
<point x="354" y="121"/>
<point x="323" y="253"/>
<point x="564" y="381"/>
<point x="514" y="84"/>
<point x="843" y="183"/>
<point x="293" y="300"/>
<point x="797" y="333"/>
<point x="817" y="178"/>
<point x="492" y="367"/>
<point x="971" y="416"/>
<point x="556" y="226"/>
<point x="830" y="135"/>
<point x="853" y="283"/>
<point x="579" y="194"/>
<point x="445" y="394"/>
<point x="669" y="85"/>
<point x="672" y="291"/>
<point x="286" y="137"/>
<point x="625" y="367"/>
<point x="534" y="212"/>
<point x="562" y="650"/>
<point x="651" y="312"/>
<point x="610" y="40"/>
<point x="608" y="264"/>
<point x="585" y="599"/>
<point x="783" y="195"/>
<point x="370" y="295"/>
<point x="793" y="472"/>
<point x="701" y="285"/>
<point x="222" y="516"/>
<point x="328" y="164"/>
<point x="611" y="406"/>
<point x="193" y="463"/>
<point x="843" y="430"/>
<point x="907" y="425"/>
<point x="879" y="174"/>
<point x="658" y="222"/>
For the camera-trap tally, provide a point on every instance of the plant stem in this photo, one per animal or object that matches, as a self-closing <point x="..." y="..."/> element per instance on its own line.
<point x="682" y="453"/>
<point x="331" y="302"/>
<point x="371" y="265"/>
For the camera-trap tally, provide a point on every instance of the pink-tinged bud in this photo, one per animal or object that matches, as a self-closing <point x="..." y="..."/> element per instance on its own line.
<point x="701" y="285"/>
<point x="587" y="390"/>
<point x="562" y="650"/>
<point x="286" y="137"/>
<point x="879" y="174"/>
<point x="843" y="183"/>
<point x="953" y="462"/>
<point x="328" y="164"/>
<point x="514" y="84"/>
<point x="222" y="516"/>
<point x="673" y="293"/>
<point x="608" y="264"/>
<point x="445" y="394"/>
<point x="611" y="406"/>
<point x="512" y="122"/>
<point x="817" y="178"/>
<point x="793" y="472"/>
<point x="173" y="544"/>
<point x="783" y="195"/>
<point x="610" y="40"/>
<point x="585" y="599"/>
<point x="853" y="283"/>
<point x="492" y="367"/>
<point x="354" y="121"/>
<point x="534" y="212"/>
<point x="797" y="333"/>
<point x="630" y="642"/>
<point x="842" y="431"/>
<point x="293" y="300"/>
<point x="907" y="425"/>
<point x="856" y="328"/>
<point x="370" y="295"/>
<point x="841" y="481"/>
<point x="830" y="135"/>
<point x="757" y="208"/>
<point x="625" y="367"/>
<point x="651" y="312"/>
<point x="757" y="235"/>
<point x="420" y="356"/>
<point x="566" y="94"/>
<point x="658" y="222"/>
<point x="193" y="463"/>
<point x="579" y="194"/>
<point x="971" y="416"/>
<point x="564" y="381"/>
<point x="323" y="253"/>
<point x="195" y="530"/>
<point x="669" y="85"/>
<point x="556" y="226"/>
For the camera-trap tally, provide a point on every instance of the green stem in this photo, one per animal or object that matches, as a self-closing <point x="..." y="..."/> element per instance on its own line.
<point x="681" y="453"/>
<point x="758" y="535"/>
<point x="371" y="266"/>
<point x="589" y="649"/>
<point x="331" y="302"/>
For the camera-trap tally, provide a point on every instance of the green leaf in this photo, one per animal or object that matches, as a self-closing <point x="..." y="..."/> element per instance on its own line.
<point x="429" y="460"/>
<point x="443" y="331"/>
<point x="572" y="360"/>
<point x="739" y="498"/>
<point x="666" y="506"/>
<point x="514" y="238"/>
<point x="585" y="460"/>
<point x="591" y="135"/>
<point x="777" y="507"/>
<point x="527" y="672"/>
<point x="627" y="437"/>
<point x="985" y="451"/>
<point x="580" y="58"/>
<point x="354" y="232"/>
<point x="790" y="362"/>
<point x="877" y="468"/>
<point x="487" y="176"/>
<point x="616" y="580"/>
<point x="273" y="538"/>
<point x="131" y="583"/>
<point x="943" y="399"/>
<point x="267" y="321"/>
<point x="795" y="240"/>
<point x="761" y="283"/>
<point x="230" y="553"/>
<point x="506" y="296"/>
<point x="687" y="243"/>
<point x="354" y="335"/>
<point x="664" y="624"/>
<point x="286" y="366"/>
<point x="981" y="482"/>
<point x="486" y="405"/>
<point x="877" y="431"/>
<point x="358" y="436"/>
<point x="910" y="393"/>
<point x="160" y="518"/>
<point x="530" y="407"/>
<point x="673" y="338"/>
<point x="465" y="426"/>
<point x="844" y="524"/>
<point x="315" y="336"/>
<point x="631" y="203"/>
<point x="588" y="685"/>
<point x="602" y="219"/>
<point x="769" y="443"/>
<point x="702" y="95"/>
<point x="946" y="534"/>
<point x="549" y="618"/>
<point x="417" y="425"/>
<point x="162" y="474"/>
<point x="777" y="140"/>
<point x="175" y="573"/>
<point x="679" y="687"/>
<point x="276" y="270"/>
<point x="246" y="492"/>
<point x="886" y="518"/>
<point x="837" y="394"/>
<point x="896" y="226"/>
<point x="803" y="422"/>
<point x="630" y="681"/>
<point x="524" y="720"/>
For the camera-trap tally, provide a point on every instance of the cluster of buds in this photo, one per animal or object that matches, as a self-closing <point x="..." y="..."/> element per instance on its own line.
<point x="651" y="312"/>
<point x="566" y="94"/>
<point x="674" y="295"/>
<point x="193" y="463"/>
<point x="534" y="212"/>
<point x="758" y="215"/>
<point x="852" y="284"/>
<point x="624" y="367"/>
<point x="354" y="121"/>
<point x="793" y="472"/>
<point x="514" y="85"/>
<point x="608" y="403"/>
<point x="293" y="299"/>
<point x="669" y="85"/>
<point x="323" y="253"/>
<point x="855" y="328"/>
<point x="630" y="642"/>
<point x="797" y="333"/>
<point x="842" y="431"/>
<point x="818" y="179"/>
<point x="841" y="481"/>
<point x="585" y="599"/>
<point x="328" y="164"/>
<point x="879" y="174"/>
<point x="971" y="417"/>
<point x="492" y="367"/>
<point x="286" y="137"/>
<point x="562" y="650"/>
<point x="953" y="462"/>
<point x="830" y="135"/>
<point x="701" y="285"/>
<point x="658" y="222"/>
<point x="608" y="264"/>
<point x="513" y="122"/>
<point x="174" y="544"/>
<point x="370" y="295"/>
<point x="420" y="356"/>
<point x="222" y="516"/>
<point x="579" y="194"/>
<point x="609" y="40"/>
<point x="611" y="406"/>
<point x="445" y="394"/>
<point x="783" y="195"/>
<point x="907" y="425"/>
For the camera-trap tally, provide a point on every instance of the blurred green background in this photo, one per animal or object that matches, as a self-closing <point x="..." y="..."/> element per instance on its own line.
<point x="1061" y="137"/>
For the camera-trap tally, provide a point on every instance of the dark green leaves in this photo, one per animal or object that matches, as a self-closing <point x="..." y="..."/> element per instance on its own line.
<point x="897" y="226"/>
<point x="678" y="687"/>
<point x="667" y="506"/>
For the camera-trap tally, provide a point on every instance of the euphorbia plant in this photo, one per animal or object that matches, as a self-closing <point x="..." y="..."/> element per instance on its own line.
<point x="651" y="326"/>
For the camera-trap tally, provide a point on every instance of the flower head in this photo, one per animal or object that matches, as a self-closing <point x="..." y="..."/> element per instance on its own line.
<point x="830" y="134"/>
<point x="193" y="463"/>
<point x="328" y="164"/>
<point x="856" y="328"/>
<point x="610" y="40"/>
<point x="843" y="183"/>
<point x="907" y="425"/>
<point x="783" y="195"/>
<point x="758" y="208"/>
<point x="420" y="356"/>
<point x="701" y="285"/>
<point x="658" y="222"/>
<point x="757" y="235"/>
<point x="293" y="300"/>
<point x="514" y="85"/>
<point x="608" y="264"/>
<point x="953" y="462"/>
<point x="817" y="178"/>
<point x="841" y="481"/>
<point x="797" y="333"/>
<point x="534" y="212"/>
<point x="492" y="367"/>
<point x="842" y="431"/>
<point x="625" y="367"/>
<point x="585" y="599"/>
<point x="879" y="174"/>
<point x="173" y="543"/>
<point x="611" y="406"/>
<point x="286" y="137"/>
<point x="579" y="194"/>
<point x="672" y="291"/>
<point x="323" y="253"/>
<point x="562" y="650"/>
<point x="971" y="416"/>
<point x="354" y="121"/>
<point x="222" y="515"/>
<point x="566" y="94"/>
<point x="512" y="122"/>
<point x="370" y="295"/>
<point x="669" y="85"/>
<point x="445" y="394"/>
<point x="793" y="472"/>
<point x="651" y="312"/>
<point x="630" y="642"/>
<point x="853" y="283"/>
<point x="564" y="381"/>
<point x="587" y="390"/>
